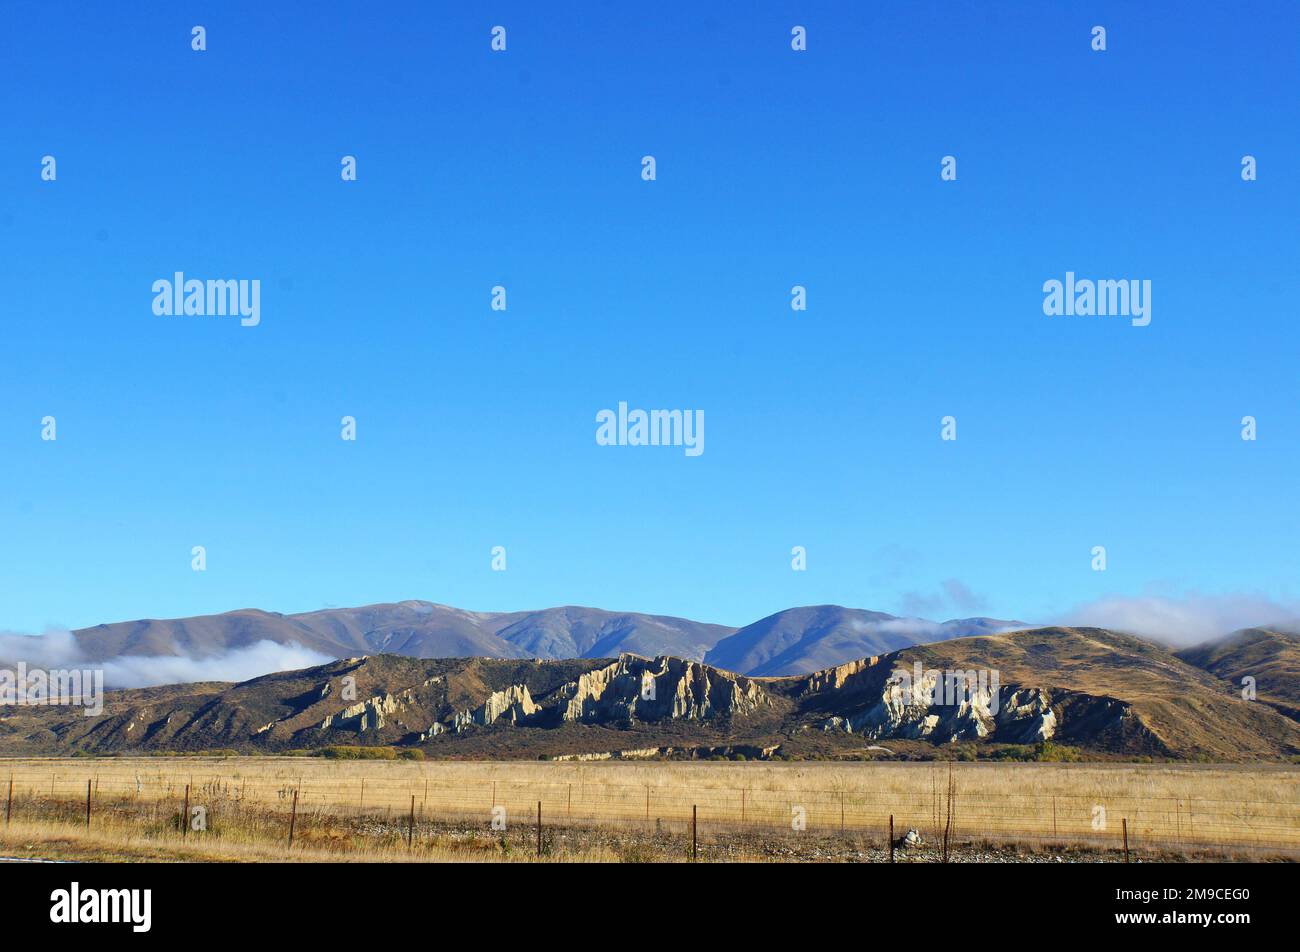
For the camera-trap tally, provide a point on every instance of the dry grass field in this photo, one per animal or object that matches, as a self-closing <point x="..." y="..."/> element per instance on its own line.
<point x="431" y="811"/>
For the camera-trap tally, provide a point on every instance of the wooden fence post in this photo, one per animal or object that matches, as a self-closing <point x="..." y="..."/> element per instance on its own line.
<point x="695" y="820"/>
<point x="87" y="804"/>
<point x="1124" y="821"/>
<point x="9" y="805"/>
<point x="891" y="837"/>
<point x="185" y="813"/>
<point x="410" y="825"/>
<point x="539" y="829"/>
<point x="293" y="818"/>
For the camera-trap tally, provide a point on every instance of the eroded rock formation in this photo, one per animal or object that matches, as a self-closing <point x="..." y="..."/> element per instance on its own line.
<point x="514" y="705"/>
<point x="635" y="688"/>
<point x="946" y="706"/>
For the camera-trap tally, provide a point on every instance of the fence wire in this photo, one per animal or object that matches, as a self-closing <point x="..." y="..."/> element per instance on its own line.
<point x="586" y="799"/>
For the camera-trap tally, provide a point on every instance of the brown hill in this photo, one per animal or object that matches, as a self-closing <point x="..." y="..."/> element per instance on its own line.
<point x="1271" y="657"/>
<point x="1104" y="692"/>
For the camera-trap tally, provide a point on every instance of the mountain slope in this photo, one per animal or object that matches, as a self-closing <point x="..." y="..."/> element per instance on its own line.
<point x="412" y="628"/>
<point x="572" y="632"/>
<point x="820" y="636"/>
<point x="1271" y="657"/>
<point x="1098" y="690"/>
<point x="788" y="642"/>
<point x="1170" y="708"/>
<point x="203" y="636"/>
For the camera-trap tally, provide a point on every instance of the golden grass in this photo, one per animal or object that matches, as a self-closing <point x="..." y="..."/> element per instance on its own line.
<point x="118" y="842"/>
<point x="1168" y="806"/>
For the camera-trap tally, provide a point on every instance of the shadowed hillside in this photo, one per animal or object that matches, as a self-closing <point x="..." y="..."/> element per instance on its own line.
<point x="413" y="628"/>
<point x="794" y="641"/>
<point x="800" y="640"/>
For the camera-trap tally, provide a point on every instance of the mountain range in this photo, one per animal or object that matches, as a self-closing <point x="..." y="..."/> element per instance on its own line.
<point x="1100" y="691"/>
<point x="794" y="641"/>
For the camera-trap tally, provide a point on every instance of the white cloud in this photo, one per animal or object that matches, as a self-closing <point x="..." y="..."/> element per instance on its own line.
<point x="239" y="664"/>
<point x="917" y="628"/>
<point x="59" y="649"/>
<point x="56" y="648"/>
<point x="1183" y="620"/>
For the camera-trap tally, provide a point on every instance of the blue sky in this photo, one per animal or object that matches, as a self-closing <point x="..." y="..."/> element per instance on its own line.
<point x="775" y="168"/>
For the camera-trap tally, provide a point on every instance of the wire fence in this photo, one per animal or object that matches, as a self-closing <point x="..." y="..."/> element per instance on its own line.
<point x="587" y="799"/>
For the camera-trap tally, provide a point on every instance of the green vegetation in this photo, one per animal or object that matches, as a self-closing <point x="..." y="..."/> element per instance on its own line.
<point x="1043" y="752"/>
<point x="341" y="752"/>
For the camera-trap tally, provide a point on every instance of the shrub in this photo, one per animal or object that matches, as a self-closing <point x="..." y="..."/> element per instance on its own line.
<point x="1045" y="751"/>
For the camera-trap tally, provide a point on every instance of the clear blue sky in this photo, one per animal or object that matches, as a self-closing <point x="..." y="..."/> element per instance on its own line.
<point x="775" y="168"/>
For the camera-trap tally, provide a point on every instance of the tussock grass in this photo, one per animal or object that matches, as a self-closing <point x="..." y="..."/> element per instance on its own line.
<point x="361" y="809"/>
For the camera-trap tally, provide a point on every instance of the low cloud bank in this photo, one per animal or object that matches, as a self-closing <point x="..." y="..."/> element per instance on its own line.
<point x="1185" y="620"/>
<point x="921" y="630"/>
<point x="918" y="629"/>
<point x="240" y="664"/>
<point x="57" y="648"/>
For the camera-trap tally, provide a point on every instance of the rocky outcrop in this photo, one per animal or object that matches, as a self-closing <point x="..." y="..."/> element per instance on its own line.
<point x="514" y="705"/>
<point x="635" y="688"/>
<point x="582" y="698"/>
<point x="372" y="714"/>
<point x="368" y="715"/>
<point x="947" y="706"/>
<point x="1025" y="717"/>
<point x="836" y="678"/>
